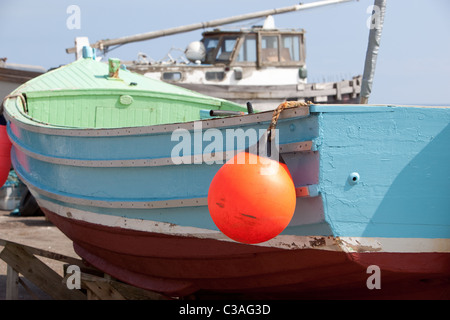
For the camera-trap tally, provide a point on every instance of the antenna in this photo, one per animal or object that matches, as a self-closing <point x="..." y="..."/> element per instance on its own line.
<point x="102" y="44"/>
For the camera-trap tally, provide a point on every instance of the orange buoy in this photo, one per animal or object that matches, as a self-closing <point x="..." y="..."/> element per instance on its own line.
<point x="252" y="201"/>
<point x="5" y="157"/>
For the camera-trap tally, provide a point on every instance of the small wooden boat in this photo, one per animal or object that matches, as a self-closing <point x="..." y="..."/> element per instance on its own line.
<point x="96" y="148"/>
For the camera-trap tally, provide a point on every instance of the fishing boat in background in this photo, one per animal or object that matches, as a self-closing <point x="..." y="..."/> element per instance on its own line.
<point x="262" y="64"/>
<point x="95" y="146"/>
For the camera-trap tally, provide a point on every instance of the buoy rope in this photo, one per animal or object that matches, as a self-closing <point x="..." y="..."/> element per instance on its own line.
<point x="277" y="112"/>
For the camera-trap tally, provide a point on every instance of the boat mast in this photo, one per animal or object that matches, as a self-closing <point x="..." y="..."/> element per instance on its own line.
<point x="101" y="44"/>
<point x="376" y="25"/>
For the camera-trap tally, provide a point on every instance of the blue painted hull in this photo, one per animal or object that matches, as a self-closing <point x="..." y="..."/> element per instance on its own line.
<point x="399" y="157"/>
<point x="400" y="154"/>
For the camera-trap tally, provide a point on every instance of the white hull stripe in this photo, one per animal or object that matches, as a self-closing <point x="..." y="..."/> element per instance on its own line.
<point x="340" y="244"/>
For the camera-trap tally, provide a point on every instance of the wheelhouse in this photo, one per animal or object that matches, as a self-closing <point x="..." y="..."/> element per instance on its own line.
<point x="256" y="47"/>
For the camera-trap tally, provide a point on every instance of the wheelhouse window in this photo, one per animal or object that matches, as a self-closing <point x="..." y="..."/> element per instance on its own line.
<point x="210" y="46"/>
<point x="248" y="50"/>
<point x="260" y="48"/>
<point x="269" y="49"/>
<point x="283" y="49"/>
<point x="219" y="49"/>
<point x="226" y="47"/>
<point x="290" y="48"/>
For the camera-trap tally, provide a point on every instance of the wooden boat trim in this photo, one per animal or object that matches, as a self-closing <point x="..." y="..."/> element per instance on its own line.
<point x="265" y="92"/>
<point x="281" y="241"/>
<point x="46" y="128"/>
<point x="301" y="192"/>
<point x="168" y="161"/>
<point x="288" y="242"/>
<point x="173" y="203"/>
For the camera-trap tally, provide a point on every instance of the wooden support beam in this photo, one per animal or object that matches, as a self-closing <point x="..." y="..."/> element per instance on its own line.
<point x="25" y="263"/>
<point x="107" y="289"/>
<point x="12" y="284"/>
<point x="28" y="289"/>
<point x="101" y="290"/>
<point x="21" y="259"/>
<point x="46" y="254"/>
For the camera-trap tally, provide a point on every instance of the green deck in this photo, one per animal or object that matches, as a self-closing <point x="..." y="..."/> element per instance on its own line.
<point x="82" y="95"/>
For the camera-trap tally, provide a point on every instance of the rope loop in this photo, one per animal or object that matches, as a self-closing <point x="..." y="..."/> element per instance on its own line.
<point x="277" y="112"/>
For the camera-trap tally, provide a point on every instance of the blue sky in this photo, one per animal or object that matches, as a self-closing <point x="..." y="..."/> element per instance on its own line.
<point x="413" y="65"/>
